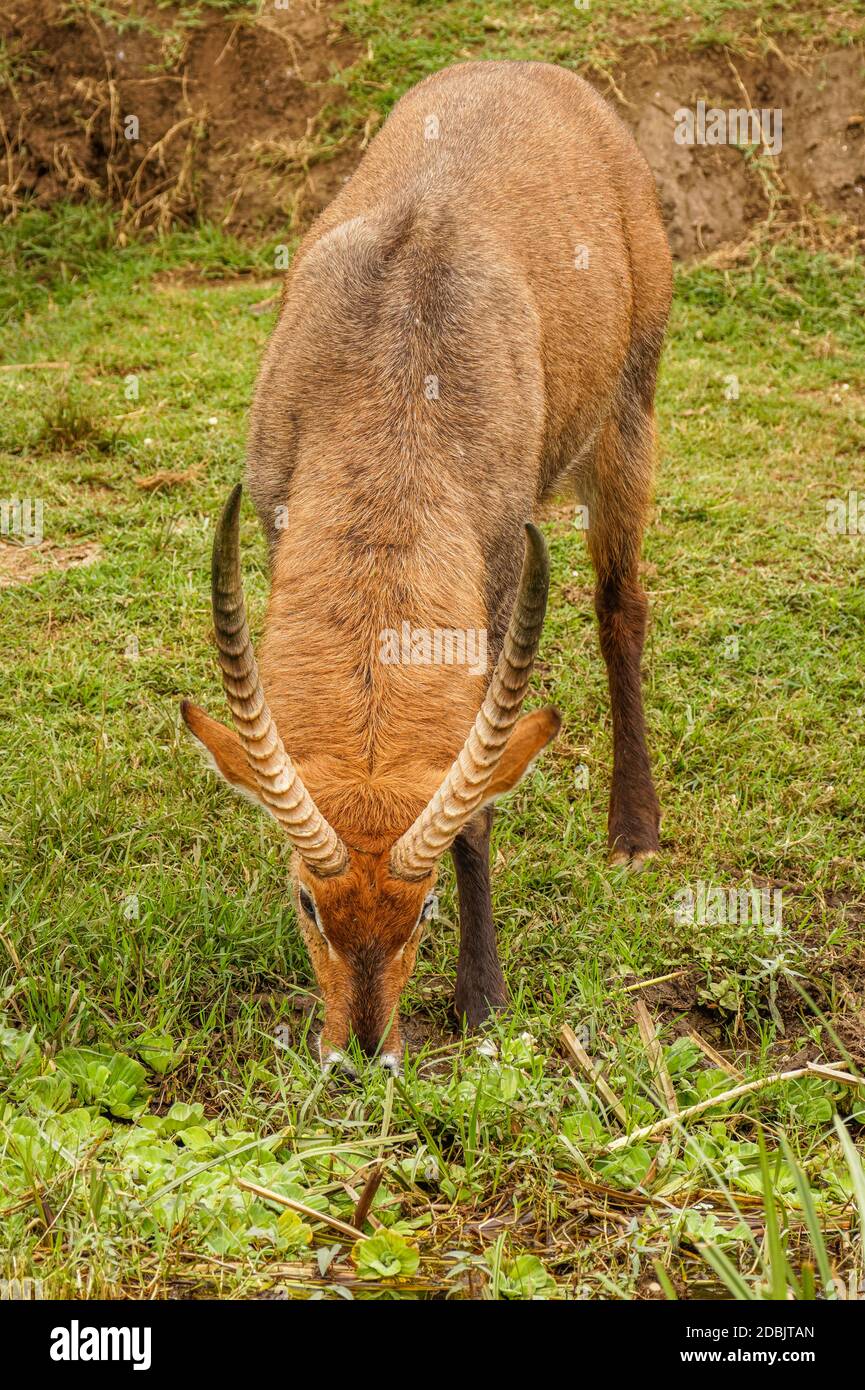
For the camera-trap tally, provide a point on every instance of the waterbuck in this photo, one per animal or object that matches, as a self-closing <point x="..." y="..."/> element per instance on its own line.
<point x="475" y="320"/>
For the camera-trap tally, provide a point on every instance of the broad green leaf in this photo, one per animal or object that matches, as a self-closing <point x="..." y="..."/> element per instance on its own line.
<point x="158" y="1052"/>
<point x="385" y="1255"/>
<point x="293" y="1232"/>
<point x="523" y="1277"/>
<point x="181" y="1116"/>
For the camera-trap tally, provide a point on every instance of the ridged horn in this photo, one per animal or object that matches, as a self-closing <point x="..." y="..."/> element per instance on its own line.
<point x="279" y="784"/>
<point x="465" y="786"/>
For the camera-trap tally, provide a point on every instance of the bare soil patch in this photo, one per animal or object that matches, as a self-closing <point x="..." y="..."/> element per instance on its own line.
<point x="712" y="194"/>
<point x="225" y="110"/>
<point x="21" y="564"/>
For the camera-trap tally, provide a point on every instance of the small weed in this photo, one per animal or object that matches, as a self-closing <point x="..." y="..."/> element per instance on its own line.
<point x="70" y="424"/>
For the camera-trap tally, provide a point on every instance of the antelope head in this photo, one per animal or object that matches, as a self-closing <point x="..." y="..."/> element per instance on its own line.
<point x="361" y="910"/>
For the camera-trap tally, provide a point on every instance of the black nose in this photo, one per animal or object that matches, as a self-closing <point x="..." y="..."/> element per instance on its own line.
<point x="372" y="1046"/>
<point x="369" y="1042"/>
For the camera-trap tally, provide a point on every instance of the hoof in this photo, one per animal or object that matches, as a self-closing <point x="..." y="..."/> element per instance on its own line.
<point x="632" y="862"/>
<point x="473" y="1017"/>
<point x="335" y="1061"/>
<point x="390" y="1062"/>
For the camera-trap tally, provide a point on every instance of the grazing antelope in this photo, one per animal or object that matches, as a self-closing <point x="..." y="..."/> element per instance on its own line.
<point x="475" y="319"/>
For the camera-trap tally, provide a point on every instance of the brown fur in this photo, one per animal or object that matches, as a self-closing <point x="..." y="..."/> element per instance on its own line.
<point x="370" y="920"/>
<point x="384" y="502"/>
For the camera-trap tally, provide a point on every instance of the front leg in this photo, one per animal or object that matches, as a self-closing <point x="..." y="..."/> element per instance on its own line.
<point x="480" y="983"/>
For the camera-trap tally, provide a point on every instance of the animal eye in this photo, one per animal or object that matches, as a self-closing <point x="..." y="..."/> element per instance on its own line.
<point x="307" y="904"/>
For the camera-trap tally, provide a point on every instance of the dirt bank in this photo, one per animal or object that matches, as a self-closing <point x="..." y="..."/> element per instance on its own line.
<point x="235" y="120"/>
<point x="170" y="119"/>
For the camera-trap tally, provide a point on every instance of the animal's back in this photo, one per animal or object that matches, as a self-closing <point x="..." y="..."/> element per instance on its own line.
<point x="520" y="178"/>
<point x="528" y="151"/>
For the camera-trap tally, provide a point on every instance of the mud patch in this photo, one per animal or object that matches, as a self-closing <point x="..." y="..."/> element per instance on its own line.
<point x="190" y="278"/>
<point x="677" y="1003"/>
<point x="21" y="564"/>
<point x="167" y="478"/>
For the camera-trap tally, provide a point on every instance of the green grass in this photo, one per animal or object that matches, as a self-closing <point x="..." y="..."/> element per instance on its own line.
<point x="140" y="897"/>
<point x="416" y="38"/>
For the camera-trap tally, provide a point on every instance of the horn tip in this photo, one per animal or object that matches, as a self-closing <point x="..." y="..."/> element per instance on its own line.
<point x="535" y="538"/>
<point x="536" y="564"/>
<point x="225" y="536"/>
<point x="232" y="506"/>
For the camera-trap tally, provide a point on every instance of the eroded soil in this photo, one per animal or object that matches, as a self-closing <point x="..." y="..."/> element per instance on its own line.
<point x="235" y="121"/>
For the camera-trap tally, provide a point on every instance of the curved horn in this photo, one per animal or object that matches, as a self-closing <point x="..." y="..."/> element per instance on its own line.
<point x="281" y="788"/>
<point x="464" y="788"/>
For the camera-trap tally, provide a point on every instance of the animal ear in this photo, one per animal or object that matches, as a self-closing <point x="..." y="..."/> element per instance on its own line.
<point x="530" y="736"/>
<point x="223" y="748"/>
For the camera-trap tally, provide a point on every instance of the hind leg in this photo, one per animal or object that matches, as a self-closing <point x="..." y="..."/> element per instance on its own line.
<point x="618" y="491"/>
